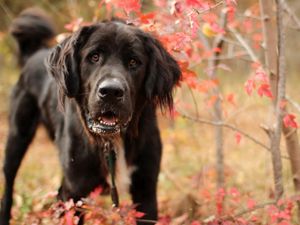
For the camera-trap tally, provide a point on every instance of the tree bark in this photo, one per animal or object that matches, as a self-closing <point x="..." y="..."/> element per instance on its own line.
<point x="217" y="108"/>
<point x="291" y="137"/>
<point x="270" y="42"/>
<point x="275" y="65"/>
<point x="274" y="36"/>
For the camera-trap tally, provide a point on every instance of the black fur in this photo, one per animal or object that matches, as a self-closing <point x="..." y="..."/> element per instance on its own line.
<point x="108" y="72"/>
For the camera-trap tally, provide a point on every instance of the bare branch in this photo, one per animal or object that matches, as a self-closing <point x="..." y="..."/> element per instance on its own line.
<point x="229" y="57"/>
<point x="55" y="10"/>
<point x="208" y="122"/>
<point x="244" y="43"/>
<point x="276" y="134"/>
<point x="7" y="11"/>
<point x="217" y="107"/>
<point x="210" y="8"/>
<point x="246" y="211"/>
<point x="231" y="127"/>
<point x="293" y="103"/>
<point x="292" y="15"/>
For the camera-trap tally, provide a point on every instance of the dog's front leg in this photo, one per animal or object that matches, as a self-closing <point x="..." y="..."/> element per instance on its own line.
<point x="144" y="181"/>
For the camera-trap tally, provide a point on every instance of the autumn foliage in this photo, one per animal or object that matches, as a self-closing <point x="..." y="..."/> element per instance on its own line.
<point x="187" y="29"/>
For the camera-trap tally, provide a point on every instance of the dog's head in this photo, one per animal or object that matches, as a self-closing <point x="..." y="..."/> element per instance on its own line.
<point x="112" y="70"/>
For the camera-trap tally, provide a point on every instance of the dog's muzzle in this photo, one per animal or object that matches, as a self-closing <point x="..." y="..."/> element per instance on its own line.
<point x="111" y="95"/>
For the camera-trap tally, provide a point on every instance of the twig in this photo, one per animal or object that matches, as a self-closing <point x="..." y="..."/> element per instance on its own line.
<point x="217" y="106"/>
<point x="258" y="206"/>
<point x="204" y="41"/>
<point x="227" y="126"/>
<point x="147" y="221"/>
<point x="244" y="43"/>
<point x="293" y="103"/>
<point x="194" y="100"/>
<point x="231" y="127"/>
<point x="7" y="11"/>
<point x="247" y="15"/>
<point x="54" y="9"/>
<point x="230" y="57"/>
<point x="292" y="15"/>
<point x="209" y="9"/>
<point x="246" y="211"/>
<point x="276" y="133"/>
<point x="230" y="41"/>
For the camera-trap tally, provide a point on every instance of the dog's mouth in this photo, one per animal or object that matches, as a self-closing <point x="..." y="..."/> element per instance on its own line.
<point x="107" y="123"/>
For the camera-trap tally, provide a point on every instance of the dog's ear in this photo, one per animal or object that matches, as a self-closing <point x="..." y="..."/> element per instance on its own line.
<point x="63" y="62"/>
<point x="163" y="73"/>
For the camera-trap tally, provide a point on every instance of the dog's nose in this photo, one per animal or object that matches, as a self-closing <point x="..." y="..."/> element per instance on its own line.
<point x="111" y="89"/>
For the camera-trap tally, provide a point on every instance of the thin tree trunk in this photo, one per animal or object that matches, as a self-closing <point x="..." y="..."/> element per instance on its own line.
<point x="274" y="39"/>
<point x="270" y="42"/>
<point x="292" y="140"/>
<point x="275" y="63"/>
<point x="217" y="108"/>
<point x="280" y="95"/>
<point x="290" y="134"/>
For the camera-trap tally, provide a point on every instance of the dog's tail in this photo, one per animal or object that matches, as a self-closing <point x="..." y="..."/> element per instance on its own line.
<point x="33" y="30"/>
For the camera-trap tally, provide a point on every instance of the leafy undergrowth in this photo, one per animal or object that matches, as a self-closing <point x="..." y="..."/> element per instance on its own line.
<point x="223" y="207"/>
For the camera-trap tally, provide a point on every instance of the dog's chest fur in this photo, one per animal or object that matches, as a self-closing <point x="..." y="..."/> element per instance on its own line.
<point x="123" y="171"/>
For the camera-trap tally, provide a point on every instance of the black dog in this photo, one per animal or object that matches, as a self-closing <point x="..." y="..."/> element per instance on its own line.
<point x="110" y="77"/>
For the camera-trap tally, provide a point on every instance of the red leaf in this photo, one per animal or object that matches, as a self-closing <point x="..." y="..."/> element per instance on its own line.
<point x="165" y="220"/>
<point x="264" y="89"/>
<point x="180" y="40"/>
<point x="178" y="7"/>
<point x="255" y="65"/>
<point x="188" y="76"/>
<point x="217" y="29"/>
<point x="207" y="85"/>
<point x="238" y="137"/>
<point x="138" y="214"/>
<point x="249" y="86"/>
<point x="254" y="219"/>
<point x="210" y="17"/>
<point x="129" y="5"/>
<point x="195" y="223"/>
<point x="96" y="193"/>
<point x="196" y="3"/>
<point x="260" y="75"/>
<point x="289" y="120"/>
<point x="147" y="17"/>
<point x="194" y="24"/>
<point x="69" y="217"/>
<point x="242" y="221"/>
<point x="231" y="99"/>
<point x="174" y="113"/>
<point x="251" y="204"/>
<point x="234" y="192"/>
<point x="217" y="49"/>
<point x="211" y="101"/>
<point x="247" y="25"/>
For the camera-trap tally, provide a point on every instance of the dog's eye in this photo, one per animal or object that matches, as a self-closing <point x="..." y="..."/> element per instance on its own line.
<point x="95" y="57"/>
<point x="132" y="64"/>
